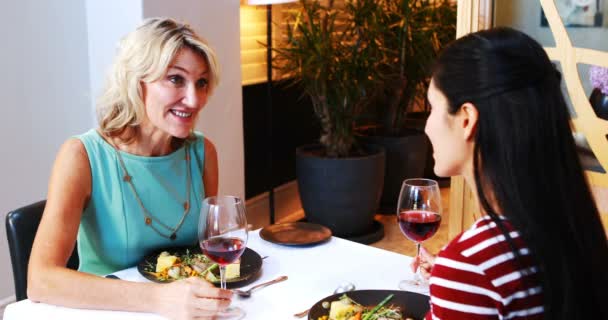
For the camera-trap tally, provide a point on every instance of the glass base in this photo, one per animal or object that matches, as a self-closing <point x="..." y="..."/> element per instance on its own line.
<point x="232" y="313"/>
<point x="414" y="285"/>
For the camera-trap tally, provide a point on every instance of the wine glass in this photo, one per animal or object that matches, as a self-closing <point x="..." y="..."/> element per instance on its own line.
<point x="222" y="235"/>
<point x="419" y="216"/>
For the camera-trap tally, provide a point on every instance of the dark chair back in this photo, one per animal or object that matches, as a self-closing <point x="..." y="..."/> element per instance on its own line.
<point x="21" y="227"/>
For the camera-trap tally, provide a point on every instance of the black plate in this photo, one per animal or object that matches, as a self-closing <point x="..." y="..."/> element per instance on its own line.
<point x="251" y="263"/>
<point x="413" y="305"/>
<point x="295" y="233"/>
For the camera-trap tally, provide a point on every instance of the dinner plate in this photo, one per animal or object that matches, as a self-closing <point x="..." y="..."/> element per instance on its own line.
<point x="412" y="304"/>
<point x="295" y="233"/>
<point x="251" y="263"/>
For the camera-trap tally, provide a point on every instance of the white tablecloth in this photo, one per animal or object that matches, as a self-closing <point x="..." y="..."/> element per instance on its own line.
<point x="313" y="273"/>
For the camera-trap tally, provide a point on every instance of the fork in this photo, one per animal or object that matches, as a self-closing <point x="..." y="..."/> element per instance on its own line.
<point x="247" y="293"/>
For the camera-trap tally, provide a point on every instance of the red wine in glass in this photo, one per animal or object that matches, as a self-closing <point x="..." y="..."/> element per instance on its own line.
<point x="222" y="231"/>
<point x="418" y="225"/>
<point x="223" y="251"/>
<point x="222" y="235"/>
<point x="419" y="216"/>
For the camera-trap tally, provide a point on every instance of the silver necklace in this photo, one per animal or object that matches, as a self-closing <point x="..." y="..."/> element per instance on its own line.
<point x="149" y="219"/>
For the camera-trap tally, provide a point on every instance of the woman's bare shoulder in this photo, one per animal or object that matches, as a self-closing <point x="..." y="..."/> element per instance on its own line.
<point x="73" y="146"/>
<point x="71" y="165"/>
<point x="209" y="146"/>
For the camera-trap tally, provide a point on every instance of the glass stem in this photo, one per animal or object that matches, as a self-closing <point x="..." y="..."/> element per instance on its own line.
<point x="416" y="276"/>
<point x="222" y="276"/>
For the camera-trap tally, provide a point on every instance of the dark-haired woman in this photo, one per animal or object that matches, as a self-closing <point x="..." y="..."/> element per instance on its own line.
<point x="538" y="251"/>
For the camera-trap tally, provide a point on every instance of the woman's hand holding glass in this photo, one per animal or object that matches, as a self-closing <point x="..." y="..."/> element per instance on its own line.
<point x="192" y="298"/>
<point x="222" y="235"/>
<point x="419" y="216"/>
<point x="423" y="263"/>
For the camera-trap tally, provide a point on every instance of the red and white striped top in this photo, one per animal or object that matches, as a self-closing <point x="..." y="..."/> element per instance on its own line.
<point x="476" y="276"/>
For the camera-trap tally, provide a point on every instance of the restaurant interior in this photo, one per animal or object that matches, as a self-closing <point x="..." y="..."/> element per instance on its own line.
<point x="266" y="126"/>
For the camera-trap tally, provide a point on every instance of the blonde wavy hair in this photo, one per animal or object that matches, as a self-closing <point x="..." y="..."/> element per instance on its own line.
<point x="144" y="55"/>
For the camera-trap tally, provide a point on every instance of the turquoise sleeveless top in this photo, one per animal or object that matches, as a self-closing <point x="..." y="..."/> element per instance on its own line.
<point x="113" y="234"/>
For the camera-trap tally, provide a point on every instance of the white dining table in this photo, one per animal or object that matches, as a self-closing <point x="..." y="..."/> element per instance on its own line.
<point x="313" y="273"/>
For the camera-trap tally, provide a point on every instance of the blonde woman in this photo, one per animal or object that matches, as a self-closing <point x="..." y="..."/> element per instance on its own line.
<point x="135" y="183"/>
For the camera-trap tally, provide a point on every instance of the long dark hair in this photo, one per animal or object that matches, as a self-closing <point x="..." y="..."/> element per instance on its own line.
<point x="526" y="162"/>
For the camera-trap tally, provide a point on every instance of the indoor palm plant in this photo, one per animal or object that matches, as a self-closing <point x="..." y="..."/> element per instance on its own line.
<point x="329" y="52"/>
<point x="410" y="34"/>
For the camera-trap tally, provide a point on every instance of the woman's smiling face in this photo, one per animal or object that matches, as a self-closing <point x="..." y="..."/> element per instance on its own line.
<point x="172" y="103"/>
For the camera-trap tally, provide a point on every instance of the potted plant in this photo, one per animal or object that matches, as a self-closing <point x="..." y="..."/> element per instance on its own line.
<point x="410" y="34"/>
<point x="326" y="52"/>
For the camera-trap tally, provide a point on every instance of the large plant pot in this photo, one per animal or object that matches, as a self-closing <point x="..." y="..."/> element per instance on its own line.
<point x="340" y="193"/>
<point x="406" y="157"/>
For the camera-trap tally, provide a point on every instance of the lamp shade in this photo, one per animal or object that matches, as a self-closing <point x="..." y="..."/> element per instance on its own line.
<point x="258" y="2"/>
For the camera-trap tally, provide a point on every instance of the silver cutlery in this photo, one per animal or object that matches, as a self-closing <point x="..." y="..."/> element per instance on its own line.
<point x="247" y="293"/>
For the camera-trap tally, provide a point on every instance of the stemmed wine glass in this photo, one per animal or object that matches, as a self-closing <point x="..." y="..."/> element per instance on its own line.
<point x="222" y="234"/>
<point x="419" y="216"/>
